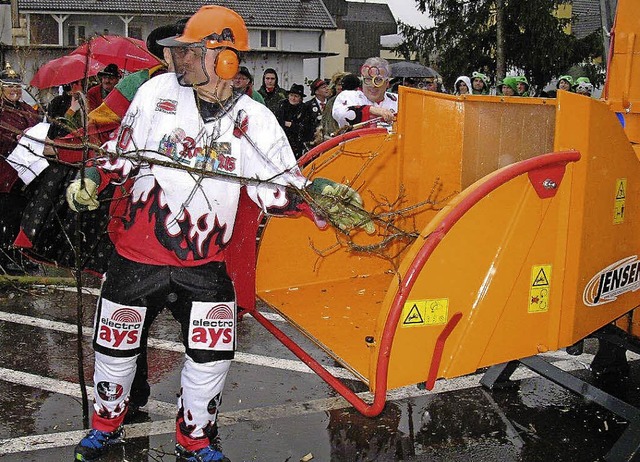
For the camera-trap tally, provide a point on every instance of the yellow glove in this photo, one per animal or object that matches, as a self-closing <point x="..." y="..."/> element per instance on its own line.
<point x="83" y="198"/>
<point x="340" y="205"/>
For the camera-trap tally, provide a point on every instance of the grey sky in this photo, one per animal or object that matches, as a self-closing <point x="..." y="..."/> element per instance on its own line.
<point x="406" y="11"/>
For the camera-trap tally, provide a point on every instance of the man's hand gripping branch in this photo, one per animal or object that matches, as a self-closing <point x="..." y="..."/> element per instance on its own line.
<point x="340" y="205"/>
<point x="82" y="196"/>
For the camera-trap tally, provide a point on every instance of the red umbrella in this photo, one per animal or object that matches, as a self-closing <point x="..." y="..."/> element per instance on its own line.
<point x="65" y="69"/>
<point x="127" y="53"/>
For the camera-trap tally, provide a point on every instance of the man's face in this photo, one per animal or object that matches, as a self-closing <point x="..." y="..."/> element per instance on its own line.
<point x="564" y="85"/>
<point x="294" y="99"/>
<point x="240" y="82"/>
<point x="190" y="64"/>
<point x="108" y="82"/>
<point x="374" y="88"/>
<point x="11" y="92"/>
<point x="522" y="87"/>
<point x="269" y="80"/>
<point x="323" y="92"/>
<point x="507" y="90"/>
<point x="478" y="84"/>
<point x="431" y="85"/>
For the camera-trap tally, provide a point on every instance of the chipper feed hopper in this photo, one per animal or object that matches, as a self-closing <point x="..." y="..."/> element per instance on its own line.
<point x="505" y="227"/>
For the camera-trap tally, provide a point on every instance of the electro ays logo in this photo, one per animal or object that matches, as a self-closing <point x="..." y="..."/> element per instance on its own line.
<point x="120" y="327"/>
<point x="212" y="328"/>
<point x="619" y="278"/>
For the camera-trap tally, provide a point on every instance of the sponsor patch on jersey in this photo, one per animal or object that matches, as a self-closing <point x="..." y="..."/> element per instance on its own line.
<point x="212" y="326"/>
<point x="216" y="158"/>
<point x="119" y="327"/>
<point x="168" y="106"/>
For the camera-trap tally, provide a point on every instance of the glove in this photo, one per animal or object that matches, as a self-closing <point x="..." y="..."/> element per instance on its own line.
<point x="341" y="205"/>
<point x="83" y="198"/>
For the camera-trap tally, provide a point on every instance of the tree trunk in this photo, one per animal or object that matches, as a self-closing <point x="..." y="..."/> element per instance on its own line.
<point x="500" y="58"/>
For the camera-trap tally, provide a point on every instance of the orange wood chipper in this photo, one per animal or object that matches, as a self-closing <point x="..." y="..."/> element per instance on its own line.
<point x="506" y="227"/>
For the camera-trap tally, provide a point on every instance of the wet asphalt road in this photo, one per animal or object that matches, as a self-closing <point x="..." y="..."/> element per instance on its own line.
<point x="274" y="410"/>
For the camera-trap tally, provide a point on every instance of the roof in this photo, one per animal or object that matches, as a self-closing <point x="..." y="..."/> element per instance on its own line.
<point x="305" y="14"/>
<point x="369" y="12"/>
<point x="586" y="17"/>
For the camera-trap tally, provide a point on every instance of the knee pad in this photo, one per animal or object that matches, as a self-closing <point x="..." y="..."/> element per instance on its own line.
<point x="118" y="328"/>
<point x="211" y="331"/>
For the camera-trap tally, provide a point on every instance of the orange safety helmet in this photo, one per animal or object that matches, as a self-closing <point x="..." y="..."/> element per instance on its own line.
<point x="215" y="27"/>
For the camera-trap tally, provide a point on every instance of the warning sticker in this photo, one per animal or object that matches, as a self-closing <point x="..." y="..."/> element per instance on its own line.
<point x="619" y="202"/>
<point x="540" y="288"/>
<point x="416" y="313"/>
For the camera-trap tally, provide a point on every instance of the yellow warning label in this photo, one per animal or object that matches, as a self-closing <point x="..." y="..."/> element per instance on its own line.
<point x="619" y="202"/>
<point x="540" y="288"/>
<point x="416" y="313"/>
<point x="621" y="188"/>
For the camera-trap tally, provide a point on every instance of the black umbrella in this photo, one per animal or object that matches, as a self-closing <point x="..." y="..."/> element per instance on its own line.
<point x="411" y="69"/>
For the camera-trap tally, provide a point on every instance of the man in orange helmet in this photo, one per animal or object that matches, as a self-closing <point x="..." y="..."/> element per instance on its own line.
<point x="188" y="143"/>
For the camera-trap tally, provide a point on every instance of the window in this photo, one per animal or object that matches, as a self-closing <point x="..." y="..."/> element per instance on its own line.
<point x="135" y="32"/>
<point x="76" y="34"/>
<point x="268" y="38"/>
<point x="43" y="30"/>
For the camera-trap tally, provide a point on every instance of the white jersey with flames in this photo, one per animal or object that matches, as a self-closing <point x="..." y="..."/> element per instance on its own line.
<point x="164" y="124"/>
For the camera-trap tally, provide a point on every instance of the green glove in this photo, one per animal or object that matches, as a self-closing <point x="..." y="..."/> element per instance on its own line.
<point x="82" y="198"/>
<point x="340" y="204"/>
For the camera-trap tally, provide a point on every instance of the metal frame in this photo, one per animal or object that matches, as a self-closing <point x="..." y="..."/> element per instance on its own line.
<point x="627" y="448"/>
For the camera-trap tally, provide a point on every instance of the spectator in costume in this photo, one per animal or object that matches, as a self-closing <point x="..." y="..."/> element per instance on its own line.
<point x="109" y="77"/>
<point x="522" y="86"/>
<point x="565" y="82"/>
<point x="480" y="83"/>
<point x="15" y="117"/>
<point x="372" y="101"/>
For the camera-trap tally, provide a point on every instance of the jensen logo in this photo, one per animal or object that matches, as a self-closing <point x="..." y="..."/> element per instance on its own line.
<point x="605" y="287"/>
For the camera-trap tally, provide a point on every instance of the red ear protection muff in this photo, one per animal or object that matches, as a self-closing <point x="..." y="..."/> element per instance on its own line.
<point x="227" y="64"/>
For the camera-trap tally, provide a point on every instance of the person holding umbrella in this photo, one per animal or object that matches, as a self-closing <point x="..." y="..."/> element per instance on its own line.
<point x="109" y="77"/>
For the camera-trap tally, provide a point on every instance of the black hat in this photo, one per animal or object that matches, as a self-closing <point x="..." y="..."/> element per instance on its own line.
<point x="350" y="82"/>
<point x="162" y="32"/>
<point x="297" y="89"/>
<point x="111" y="70"/>
<point x="245" y="71"/>
<point x="9" y="76"/>
<point x="317" y="83"/>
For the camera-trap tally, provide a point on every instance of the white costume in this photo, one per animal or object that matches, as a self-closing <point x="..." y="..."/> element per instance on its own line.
<point x="170" y="245"/>
<point x="352" y="106"/>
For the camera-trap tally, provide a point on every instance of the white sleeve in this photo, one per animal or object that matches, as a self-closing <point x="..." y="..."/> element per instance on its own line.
<point x="268" y="158"/>
<point x="342" y="111"/>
